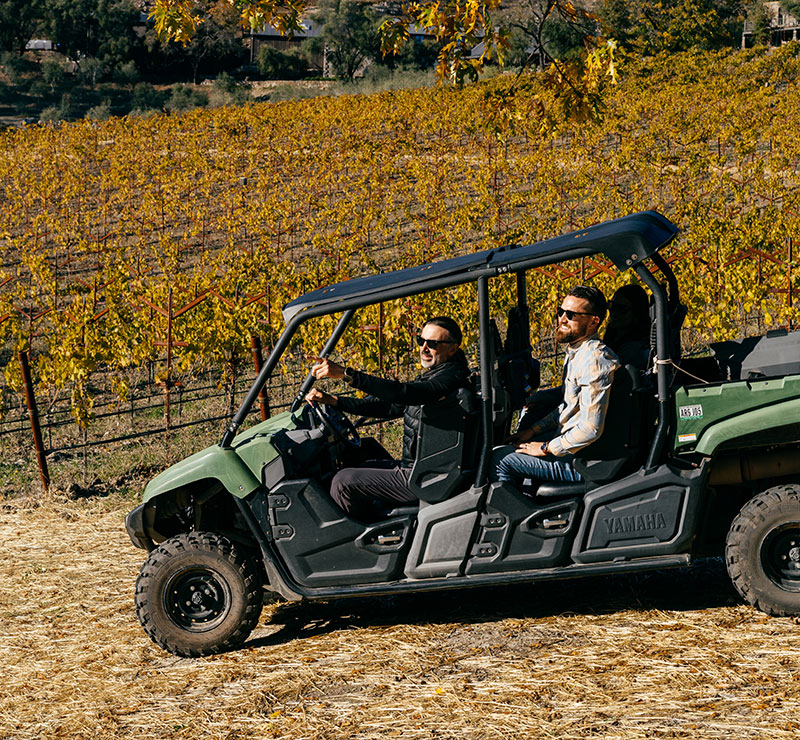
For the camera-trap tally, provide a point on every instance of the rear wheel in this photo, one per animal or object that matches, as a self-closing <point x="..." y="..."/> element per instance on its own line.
<point x="763" y="551"/>
<point x="197" y="594"/>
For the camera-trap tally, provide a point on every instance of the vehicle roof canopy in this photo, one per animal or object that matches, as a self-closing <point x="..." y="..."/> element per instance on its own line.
<point x="625" y="241"/>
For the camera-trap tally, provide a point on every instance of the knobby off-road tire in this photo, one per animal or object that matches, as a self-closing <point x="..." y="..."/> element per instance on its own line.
<point x="763" y="551"/>
<point x="197" y="594"/>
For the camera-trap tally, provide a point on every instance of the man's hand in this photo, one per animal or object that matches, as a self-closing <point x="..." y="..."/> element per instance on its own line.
<point x="326" y="369"/>
<point x="523" y="435"/>
<point x="534" y="449"/>
<point x="318" y="396"/>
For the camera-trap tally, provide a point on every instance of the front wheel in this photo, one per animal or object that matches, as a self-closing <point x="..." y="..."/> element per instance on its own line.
<point x="197" y="594"/>
<point x="762" y="552"/>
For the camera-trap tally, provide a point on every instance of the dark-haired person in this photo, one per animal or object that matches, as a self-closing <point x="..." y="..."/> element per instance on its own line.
<point x="545" y="449"/>
<point x="628" y="328"/>
<point x="366" y="491"/>
<point x="627" y="334"/>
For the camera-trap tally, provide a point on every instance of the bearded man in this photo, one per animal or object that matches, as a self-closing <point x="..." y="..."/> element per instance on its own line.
<point x="544" y="451"/>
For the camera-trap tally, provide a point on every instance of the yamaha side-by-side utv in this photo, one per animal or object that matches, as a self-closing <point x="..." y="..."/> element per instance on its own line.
<point x="684" y="469"/>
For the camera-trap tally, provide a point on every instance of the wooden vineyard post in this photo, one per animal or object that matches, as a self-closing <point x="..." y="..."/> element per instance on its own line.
<point x="258" y="363"/>
<point x="30" y="400"/>
<point x="789" y="290"/>
<point x="168" y="379"/>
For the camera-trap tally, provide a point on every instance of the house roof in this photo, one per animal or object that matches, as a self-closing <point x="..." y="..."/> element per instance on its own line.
<point x="625" y="241"/>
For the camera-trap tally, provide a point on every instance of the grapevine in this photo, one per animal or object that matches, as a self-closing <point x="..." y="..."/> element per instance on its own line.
<point x="168" y="243"/>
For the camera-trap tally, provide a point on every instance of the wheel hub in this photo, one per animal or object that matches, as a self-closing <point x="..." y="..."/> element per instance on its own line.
<point x="780" y="556"/>
<point x="196" y="600"/>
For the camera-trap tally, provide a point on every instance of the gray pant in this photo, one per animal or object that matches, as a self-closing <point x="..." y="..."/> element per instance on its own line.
<point x="368" y="492"/>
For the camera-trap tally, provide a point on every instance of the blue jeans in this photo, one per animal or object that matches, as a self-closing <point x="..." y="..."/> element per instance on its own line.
<point x="514" y="467"/>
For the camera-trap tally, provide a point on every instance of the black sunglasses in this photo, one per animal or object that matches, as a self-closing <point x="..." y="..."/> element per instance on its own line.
<point x="571" y="314"/>
<point x="433" y="343"/>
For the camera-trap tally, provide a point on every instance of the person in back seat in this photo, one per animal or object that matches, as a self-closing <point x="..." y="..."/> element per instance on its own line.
<point x="364" y="491"/>
<point x="627" y="334"/>
<point x="628" y="329"/>
<point x="544" y="450"/>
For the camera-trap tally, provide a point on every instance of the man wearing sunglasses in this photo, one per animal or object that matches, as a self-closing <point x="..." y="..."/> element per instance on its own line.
<point x="544" y="451"/>
<point x="369" y="490"/>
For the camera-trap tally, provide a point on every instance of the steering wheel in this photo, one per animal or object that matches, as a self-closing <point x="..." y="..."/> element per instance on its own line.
<point x="336" y="424"/>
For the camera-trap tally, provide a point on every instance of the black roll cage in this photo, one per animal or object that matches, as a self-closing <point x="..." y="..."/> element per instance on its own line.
<point x="627" y="241"/>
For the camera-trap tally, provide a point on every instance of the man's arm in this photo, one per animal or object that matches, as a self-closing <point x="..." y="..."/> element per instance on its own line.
<point x="413" y="393"/>
<point x="592" y="408"/>
<point x="368" y="406"/>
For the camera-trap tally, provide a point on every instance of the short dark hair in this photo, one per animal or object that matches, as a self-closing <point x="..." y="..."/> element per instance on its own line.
<point x="446" y="323"/>
<point x="594" y="297"/>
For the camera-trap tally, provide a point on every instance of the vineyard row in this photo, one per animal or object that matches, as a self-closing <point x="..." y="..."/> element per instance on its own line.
<point x="170" y="243"/>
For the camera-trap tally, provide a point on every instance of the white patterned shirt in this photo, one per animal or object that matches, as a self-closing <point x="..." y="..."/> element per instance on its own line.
<point x="589" y="367"/>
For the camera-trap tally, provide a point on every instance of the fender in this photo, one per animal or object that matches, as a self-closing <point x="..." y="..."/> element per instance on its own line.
<point x="708" y="416"/>
<point x="215" y="463"/>
<point x="236" y="467"/>
<point x="765" y="419"/>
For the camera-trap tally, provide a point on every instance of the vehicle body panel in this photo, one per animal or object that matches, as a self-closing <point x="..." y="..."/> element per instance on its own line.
<point x="237" y="468"/>
<point x="706" y="417"/>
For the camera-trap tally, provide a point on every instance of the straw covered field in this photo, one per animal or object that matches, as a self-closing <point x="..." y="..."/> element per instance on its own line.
<point x="669" y="655"/>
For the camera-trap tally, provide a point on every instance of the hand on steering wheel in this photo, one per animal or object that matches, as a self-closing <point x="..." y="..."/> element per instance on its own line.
<point x="336" y="424"/>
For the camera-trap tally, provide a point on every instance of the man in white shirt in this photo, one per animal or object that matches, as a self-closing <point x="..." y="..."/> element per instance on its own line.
<point x="545" y="450"/>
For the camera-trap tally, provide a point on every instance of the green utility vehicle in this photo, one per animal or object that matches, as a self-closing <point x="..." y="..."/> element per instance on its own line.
<point x="684" y="469"/>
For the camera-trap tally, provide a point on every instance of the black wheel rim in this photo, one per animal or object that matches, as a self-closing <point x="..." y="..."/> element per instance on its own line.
<point x="197" y="599"/>
<point x="780" y="556"/>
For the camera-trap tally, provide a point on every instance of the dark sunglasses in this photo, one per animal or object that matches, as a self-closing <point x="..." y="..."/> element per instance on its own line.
<point x="571" y="314"/>
<point x="433" y="343"/>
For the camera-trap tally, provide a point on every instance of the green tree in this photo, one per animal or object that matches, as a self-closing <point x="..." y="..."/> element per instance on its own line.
<point x="92" y="28"/>
<point x="89" y="69"/>
<point x="146" y="97"/>
<point x="792" y="7"/>
<point x="126" y="74"/>
<point x="215" y="46"/>
<point x="545" y="31"/>
<point x="652" y="26"/>
<point x="760" y="19"/>
<point x="274" y="64"/>
<point x="349" y="34"/>
<point x="18" y="22"/>
<point x="53" y="73"/>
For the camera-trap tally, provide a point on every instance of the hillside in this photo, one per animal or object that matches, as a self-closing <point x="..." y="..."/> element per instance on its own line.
<point x="117" y="235"/>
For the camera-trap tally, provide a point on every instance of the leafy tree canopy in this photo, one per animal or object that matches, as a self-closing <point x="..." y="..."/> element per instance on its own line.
<point x="18" y="21"/>
<point x="460" y="26"/>
<point x="350" y="33"/>
<point x="653" y="26"/>
<point x="792" y="7"/>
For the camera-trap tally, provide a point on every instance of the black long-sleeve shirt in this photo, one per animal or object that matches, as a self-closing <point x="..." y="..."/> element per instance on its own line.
<point x="391" y="399"/>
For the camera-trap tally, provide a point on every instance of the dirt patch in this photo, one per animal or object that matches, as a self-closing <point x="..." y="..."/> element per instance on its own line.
<point x="664" y="655"/>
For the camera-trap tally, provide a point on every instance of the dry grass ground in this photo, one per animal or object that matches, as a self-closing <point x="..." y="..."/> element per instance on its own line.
<point x="670" y="655"/>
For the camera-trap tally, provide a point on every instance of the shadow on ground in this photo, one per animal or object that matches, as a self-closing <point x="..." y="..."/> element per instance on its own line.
<point x="705" y="585"/>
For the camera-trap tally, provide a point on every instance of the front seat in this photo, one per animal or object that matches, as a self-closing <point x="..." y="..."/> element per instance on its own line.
<point x="446" y="447"/>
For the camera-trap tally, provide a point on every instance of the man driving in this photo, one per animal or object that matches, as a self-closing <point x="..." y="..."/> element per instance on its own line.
<point x="545" y="450"/>
<point x="367" y="491"/>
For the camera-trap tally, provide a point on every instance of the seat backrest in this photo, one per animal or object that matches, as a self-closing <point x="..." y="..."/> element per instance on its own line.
<point x="501" y="400"/>
<point x="625" y="437"/>
<point x="518" y="370"/>
<point x="447" y="447"/>
<point x="515" y="373"/>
